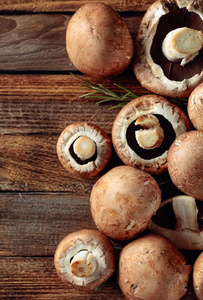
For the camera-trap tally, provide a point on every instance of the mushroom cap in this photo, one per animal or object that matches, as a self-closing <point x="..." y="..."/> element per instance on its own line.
<point x="95" y="164"/>
<point x="95" y="242"/>
<point x="195" y="107"/>
<point x="198" y="277"/>
<point x="179" y="219"/>
<point x="123" y="201"/>
<point x="172" y="119"/>
<point x="151" y="267"/>
<point x="185" y="163"/>
<point x="98" y="41"/>
<point x="153" y="70"/>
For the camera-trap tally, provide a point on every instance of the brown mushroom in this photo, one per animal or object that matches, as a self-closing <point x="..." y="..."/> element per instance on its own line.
<point x="85" y="259"/>
<point x="144" y="130"/>
<point x="195" y="107"/>
<point x="123" y="201"/>
<point x="198" y="277"/>
<point x="185" y="163"/>
<point x="151" y="267"/>
<point x="180" y="220"/>
<point x="168" y="48"/>
<point x="98" y="41"/>
<point x="84" y="149"/>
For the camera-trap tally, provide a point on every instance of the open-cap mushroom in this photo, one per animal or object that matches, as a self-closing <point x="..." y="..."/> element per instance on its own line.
<point x="180" y="219"/>
<point x="150" y="268"/>
<point x="198" y="277"/>
<point x="98" y="41"/>
<point x="84" y="149"/>
<point x="123" y="201"/>
<point x="195" y="107"/>
<point x="144" y="129"/>
<point x="169" y="47"/>
<point x="185" y="163"/>
<point x="85" y="259"/>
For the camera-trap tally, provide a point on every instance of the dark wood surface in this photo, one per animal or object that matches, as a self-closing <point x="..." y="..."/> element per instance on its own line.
<point x="40" y="203"/>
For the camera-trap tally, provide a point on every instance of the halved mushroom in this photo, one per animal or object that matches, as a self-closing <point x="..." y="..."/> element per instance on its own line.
<point x="84" y="149"/>
<point x="151" y="267"/>
<point x="168" y="49"/>
<point x="198" y="277"/>
<point x="85" y="259"/>
<point x="180" y="219"/>
<point x="195" y="107"/>
<point x="123" y="201"/>
<point x="98" y="41"/>
<point x="144" y="130"/>
<point x="185" y="163"/>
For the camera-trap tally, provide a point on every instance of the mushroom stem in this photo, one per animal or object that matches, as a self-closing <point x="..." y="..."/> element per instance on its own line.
<point x="84" y="147"/>
<point x="83" y="264"/>
<point x="182" y="44"/>
<point x="151" y="134"/>
<point x="186" y="213"/>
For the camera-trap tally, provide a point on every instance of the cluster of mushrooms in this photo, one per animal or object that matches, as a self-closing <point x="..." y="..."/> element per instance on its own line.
<point x="152" y="136"/>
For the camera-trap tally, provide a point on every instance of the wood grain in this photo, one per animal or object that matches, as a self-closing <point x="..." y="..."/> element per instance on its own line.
<point x="66" y="5"/>
<point x="35" y="278"/>
<point x="32" y="224"/>
<point x="46" y="104"/>
<point x="37" y="42"/>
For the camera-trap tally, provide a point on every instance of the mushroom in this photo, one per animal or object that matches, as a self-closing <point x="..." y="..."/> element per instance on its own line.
<point x="84" y="149"/>
<point x="151" y="267"/>
<point x="144" y="130"/>
<point x="180" y="220"/>
<point x="198" y="277"/>
<point x="123" y="201"/>
<point x="168" y="48"/>
<point x="195" y="107"/>
<point x="98" y="41"/>
<point x="85" y="259"/>
<point x="185" y="163"/>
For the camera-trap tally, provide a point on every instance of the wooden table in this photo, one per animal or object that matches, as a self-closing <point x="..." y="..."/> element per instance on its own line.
<point x="41" y="202"/>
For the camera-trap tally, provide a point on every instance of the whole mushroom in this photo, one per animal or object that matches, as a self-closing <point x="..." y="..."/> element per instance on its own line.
<point x="85" y="259"/>
<point x="168" y="48"/>
<point x="198" y="277"/>
<point x="195" y="107"/>
<point x="98" y="41"/>
<point x="84" y="149"/>
<point x="151" y="267"/>
<point x="185" y="163"/>
<point x="180" y="220"/>
<point x="123" y="201"/>
<point x="144" y="129"/>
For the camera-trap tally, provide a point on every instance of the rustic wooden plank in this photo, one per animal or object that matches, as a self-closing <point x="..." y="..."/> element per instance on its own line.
<point x="37" y="42"/>
<point x="30" y="163"/>
<point x="35" y="278"/>
<point x="66" y="5"/>
<point x="46" y="104"/>
<point x="32" y="224"/>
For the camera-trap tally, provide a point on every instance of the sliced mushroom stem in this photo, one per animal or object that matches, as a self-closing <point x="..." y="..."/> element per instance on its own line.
<point x="84" y="147"/>
<point x="182" y="44"/>
<point x="83" y="264"/>
<point x="151" y="133"/>
<point x="186" y="213"/>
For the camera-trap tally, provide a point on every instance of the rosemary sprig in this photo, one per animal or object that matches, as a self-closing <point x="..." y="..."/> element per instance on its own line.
<point x="101" y="93"/>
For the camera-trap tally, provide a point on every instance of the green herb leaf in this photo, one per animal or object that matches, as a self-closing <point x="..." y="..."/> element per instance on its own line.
<point x="100" y="92"/>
